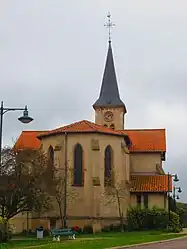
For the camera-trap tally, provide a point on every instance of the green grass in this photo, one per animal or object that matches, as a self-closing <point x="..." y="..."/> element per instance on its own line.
<point x="96" y="241"/>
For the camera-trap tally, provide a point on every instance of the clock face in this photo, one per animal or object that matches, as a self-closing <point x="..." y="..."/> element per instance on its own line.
<point x="108" y="116"/>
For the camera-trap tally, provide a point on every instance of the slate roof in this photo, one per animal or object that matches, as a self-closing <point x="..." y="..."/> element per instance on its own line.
<point x="109" y="94"/>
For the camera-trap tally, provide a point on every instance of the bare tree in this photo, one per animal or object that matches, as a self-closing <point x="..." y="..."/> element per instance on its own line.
<point x="62" y="191"/>
<point x="116" y="191"/>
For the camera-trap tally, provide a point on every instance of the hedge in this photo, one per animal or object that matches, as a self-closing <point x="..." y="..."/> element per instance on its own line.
<point x="142" y="219"/>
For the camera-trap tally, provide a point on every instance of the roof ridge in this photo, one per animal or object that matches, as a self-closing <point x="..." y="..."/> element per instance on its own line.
<point x="90" y="124"/>
<point x="67" y="126"/>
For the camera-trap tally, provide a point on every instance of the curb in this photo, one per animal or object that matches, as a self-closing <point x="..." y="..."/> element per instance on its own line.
<point x="148" y="243"/>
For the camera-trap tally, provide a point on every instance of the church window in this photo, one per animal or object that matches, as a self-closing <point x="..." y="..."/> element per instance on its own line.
<point x="78" y="166"/>
<point x="145" y="200"/>
<point x="51" y="160"/>
<point x="138" y="201"/>
<point x="112" y="126"/>
<point x="108" y="165"/>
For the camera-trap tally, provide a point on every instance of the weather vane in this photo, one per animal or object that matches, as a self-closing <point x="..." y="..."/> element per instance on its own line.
<point x="109" y="25"/>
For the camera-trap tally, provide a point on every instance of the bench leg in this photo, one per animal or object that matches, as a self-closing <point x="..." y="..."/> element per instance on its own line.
<point x="58" y="238"/>
<point x="72" y="236"/>
<point x="54" y="238"/>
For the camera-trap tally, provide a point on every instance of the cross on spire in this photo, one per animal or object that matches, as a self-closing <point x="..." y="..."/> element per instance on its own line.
<point x="109" y="25"/>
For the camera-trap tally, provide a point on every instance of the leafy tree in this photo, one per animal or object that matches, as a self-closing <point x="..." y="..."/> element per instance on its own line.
<point x="22" y="185"/>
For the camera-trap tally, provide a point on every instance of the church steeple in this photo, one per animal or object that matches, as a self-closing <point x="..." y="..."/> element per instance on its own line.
<point x="109" y="94"/>
<point x="109" y="108"/>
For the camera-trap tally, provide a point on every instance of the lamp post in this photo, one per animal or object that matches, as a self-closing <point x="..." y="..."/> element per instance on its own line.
<point x="24" y="119"/>
<point x="176" y="179"/>
<point x="176" y="196"/>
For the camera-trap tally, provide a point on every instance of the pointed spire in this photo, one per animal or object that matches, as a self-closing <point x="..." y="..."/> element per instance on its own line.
<point x="109" y="94"/>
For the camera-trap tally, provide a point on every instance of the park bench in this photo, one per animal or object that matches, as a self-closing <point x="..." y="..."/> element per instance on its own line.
<point x="57" y="233"/>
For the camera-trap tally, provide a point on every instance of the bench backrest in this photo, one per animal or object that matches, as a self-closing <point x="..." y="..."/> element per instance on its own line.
<point x="61" y="231"/>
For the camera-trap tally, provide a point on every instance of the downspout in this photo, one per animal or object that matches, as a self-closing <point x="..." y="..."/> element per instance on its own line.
<point x="65" y="182"/>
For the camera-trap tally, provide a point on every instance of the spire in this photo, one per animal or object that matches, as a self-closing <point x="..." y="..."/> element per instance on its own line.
<point x="109" y="94"/>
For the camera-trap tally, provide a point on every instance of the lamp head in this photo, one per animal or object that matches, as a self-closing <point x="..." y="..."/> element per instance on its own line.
<point x="179" y="190"/>
<point x="25" y="119"/>
<point x="176" y="179"/>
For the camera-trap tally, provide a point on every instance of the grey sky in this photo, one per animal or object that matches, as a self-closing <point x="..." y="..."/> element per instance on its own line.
<point x="52" y="55"/>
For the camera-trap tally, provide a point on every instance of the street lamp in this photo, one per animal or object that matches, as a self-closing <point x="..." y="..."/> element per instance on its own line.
<point x="24" y="119"/>
<point x="176" y="179"/>
<point x="174" y="194"/>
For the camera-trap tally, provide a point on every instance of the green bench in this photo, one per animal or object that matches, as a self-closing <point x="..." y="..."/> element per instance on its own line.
<point x="57" y="233"/>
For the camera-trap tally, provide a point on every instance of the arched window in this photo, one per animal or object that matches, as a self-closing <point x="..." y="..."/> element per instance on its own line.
<point x="105" y="125"/>
<point x="51" y="160"/>
<point x="112" y="126"/>
<point x="108" y="165"/>
<point x="78" y="166"/>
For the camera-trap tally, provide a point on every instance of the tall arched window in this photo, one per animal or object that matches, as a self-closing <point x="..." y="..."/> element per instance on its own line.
<point x="108" y="165"/>
<point x="51" y="160"/>
<point x="78" y="166"/>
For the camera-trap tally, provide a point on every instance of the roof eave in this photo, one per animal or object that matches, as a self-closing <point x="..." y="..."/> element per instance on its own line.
<point x="95" y="106"/>
<point x="73" y="132"/>
<point x="151" y="191"/>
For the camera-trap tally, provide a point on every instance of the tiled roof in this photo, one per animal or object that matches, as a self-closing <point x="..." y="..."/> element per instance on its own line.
<point x="83" y="126"/>
<point x="150" y="183"/>
<point x="28" y="140"/>
<point x="147" y="140"/>
<point x="142" y="140"/>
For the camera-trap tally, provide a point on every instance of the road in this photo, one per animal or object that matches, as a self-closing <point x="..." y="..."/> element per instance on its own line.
<point x="175" y="244"/>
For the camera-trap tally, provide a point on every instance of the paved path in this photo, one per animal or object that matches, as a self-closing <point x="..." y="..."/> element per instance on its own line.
<point x="175" y="244"/>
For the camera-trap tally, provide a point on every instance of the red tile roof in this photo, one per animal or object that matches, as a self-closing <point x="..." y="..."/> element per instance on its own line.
<point x="142" y="140"/>
<point x="83" y="126"/>
<point x="28" y="140"/>
<point x="147" y="140"/>
<point x="150" y="183"/>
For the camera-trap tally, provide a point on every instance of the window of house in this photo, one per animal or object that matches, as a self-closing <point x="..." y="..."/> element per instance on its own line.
<point x="78" y="166"/>
<point x="51" y="161"/>
<point x="138" y="201"/>
<point x="105" y="125"/>
<point x="146" y="200"/>
<point x="112" y="126"/>
<point x="108" y="165"/>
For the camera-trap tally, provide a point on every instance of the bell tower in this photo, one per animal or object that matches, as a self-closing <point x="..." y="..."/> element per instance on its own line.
<point x="109" y="108"/>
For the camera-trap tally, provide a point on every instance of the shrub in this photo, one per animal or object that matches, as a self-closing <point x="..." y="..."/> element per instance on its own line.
<point x="113" y="228"/>
<point x="174" y="225"/>
<point x="5" y="231"/>
<point x="77" y="229"/>
<point x="88" y="229"/>
<point x="142" y="219"/>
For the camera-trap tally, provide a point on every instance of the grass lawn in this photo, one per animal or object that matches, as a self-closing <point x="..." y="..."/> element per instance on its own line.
<point x="96" y="241"/>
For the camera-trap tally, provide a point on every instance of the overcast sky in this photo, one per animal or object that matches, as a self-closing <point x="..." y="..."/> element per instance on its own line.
<point x="52" y="55"/>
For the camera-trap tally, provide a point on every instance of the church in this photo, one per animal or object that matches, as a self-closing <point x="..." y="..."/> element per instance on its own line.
<point x="101" y="157"/>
